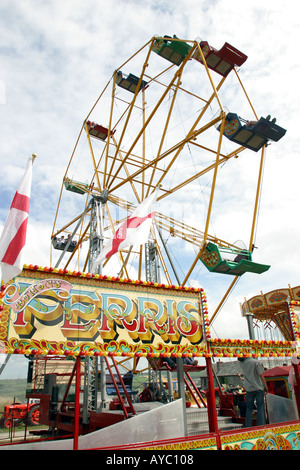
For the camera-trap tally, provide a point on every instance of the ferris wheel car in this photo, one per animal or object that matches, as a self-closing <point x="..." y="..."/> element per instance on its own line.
<point x="213" y="258"/>
<point x="61" y="243"/>
<point x="75" y="186"/>
<point x="129" y="82"/>
<point x="221" y="61"/>
<point x="174" y="51"/>
<point x="253" y="136"/>
<point x="98" y="131"/>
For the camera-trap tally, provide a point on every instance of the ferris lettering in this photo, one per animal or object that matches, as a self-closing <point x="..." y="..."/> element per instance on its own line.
<point x="93" y="315"/>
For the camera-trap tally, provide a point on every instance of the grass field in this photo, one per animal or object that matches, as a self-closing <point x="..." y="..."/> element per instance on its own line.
<point x="12" y="389"/>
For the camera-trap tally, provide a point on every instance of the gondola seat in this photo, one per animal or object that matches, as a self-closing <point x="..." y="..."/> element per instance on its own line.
<point x="221" y="61"/>
<point x="254" y="137"/>
<point x="61" y="243"/>
<point x="173" y="51"/>
<point x="129" y="82"/>
<point x="214" y="258"/>
<point x="98" y="131"/>
<point x="75" y="186"/>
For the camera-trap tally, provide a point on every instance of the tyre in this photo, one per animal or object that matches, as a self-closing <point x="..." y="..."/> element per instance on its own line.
<point x="34" y="416"/>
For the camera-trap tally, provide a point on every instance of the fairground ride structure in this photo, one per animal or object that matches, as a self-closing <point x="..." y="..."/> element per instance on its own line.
<point x="271" y="312"/>
<point x="150" y="128"/>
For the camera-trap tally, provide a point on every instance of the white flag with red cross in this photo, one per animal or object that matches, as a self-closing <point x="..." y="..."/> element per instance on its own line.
<point x="134" y="231"/>
<point x="13" y="237"/>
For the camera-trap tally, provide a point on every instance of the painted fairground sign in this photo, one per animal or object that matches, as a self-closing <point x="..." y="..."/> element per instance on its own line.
<point x="52" y="311"/>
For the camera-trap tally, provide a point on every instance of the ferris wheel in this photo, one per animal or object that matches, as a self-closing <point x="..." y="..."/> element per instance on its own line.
<point x="168" y="118"/>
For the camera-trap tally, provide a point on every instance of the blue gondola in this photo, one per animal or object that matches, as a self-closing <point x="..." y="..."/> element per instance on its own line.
<point x="129" y="82"/>
<point x="251" y="135"/>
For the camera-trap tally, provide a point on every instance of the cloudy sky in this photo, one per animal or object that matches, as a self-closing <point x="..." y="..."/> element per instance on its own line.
<point x="57" y="57"/>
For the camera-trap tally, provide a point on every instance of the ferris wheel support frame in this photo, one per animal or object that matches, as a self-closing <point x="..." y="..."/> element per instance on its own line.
<point x="254" y="222"/>
<point x="210" y="199"/>
<point x="131" y="106"/>
<point x="148" y="120"/>
<point x="189" y="138"/>
<point x="110" y="179"/>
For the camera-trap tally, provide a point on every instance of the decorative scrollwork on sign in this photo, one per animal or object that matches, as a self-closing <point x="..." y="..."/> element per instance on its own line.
<point x="99" y="316"/>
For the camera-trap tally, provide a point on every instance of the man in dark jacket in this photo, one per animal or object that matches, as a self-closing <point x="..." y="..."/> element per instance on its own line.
<point x="255" y="385"/>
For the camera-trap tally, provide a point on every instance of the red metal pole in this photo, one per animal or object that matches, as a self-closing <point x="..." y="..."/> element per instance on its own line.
<point x="77" y="404"/>
<point x="212" y="409"/>
<point x="68" y="386"/>
<point x="123" y="386"/>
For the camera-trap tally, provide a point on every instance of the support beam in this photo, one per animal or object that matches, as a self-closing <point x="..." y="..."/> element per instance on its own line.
<point x="212" y="409"/>
<point x="181" y="390"/>
<point x="77" y="404"/>
<point x="72" y="236"/>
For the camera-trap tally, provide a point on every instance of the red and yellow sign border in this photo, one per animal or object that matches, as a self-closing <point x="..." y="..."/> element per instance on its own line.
<point x="207" y="347"/>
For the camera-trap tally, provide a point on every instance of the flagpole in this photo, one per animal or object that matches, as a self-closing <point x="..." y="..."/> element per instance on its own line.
<point x="13" y="237"/>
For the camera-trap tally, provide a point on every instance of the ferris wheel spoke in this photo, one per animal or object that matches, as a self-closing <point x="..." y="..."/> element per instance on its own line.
<point x="130" y="179"/>
<point x="179" y="146"/>
<point x="140" y="133"/>
<point x="96" y="174"/>
<point x="165" y="129"/>
<point x="127" y="120"/>
<point x="110" y="135"/>
<point x="190" y="234"/>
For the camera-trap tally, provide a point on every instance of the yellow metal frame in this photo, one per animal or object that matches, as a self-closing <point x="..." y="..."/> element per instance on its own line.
<point x="122" y="168"/>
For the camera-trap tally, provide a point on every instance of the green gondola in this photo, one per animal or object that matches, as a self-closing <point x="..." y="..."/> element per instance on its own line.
<point x="173" y="51"/>
<point x="218" y="260"/>
<point x="75" y="186"/>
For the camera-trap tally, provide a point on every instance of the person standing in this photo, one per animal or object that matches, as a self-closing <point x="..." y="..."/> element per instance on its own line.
<point x="255" y="386"/>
